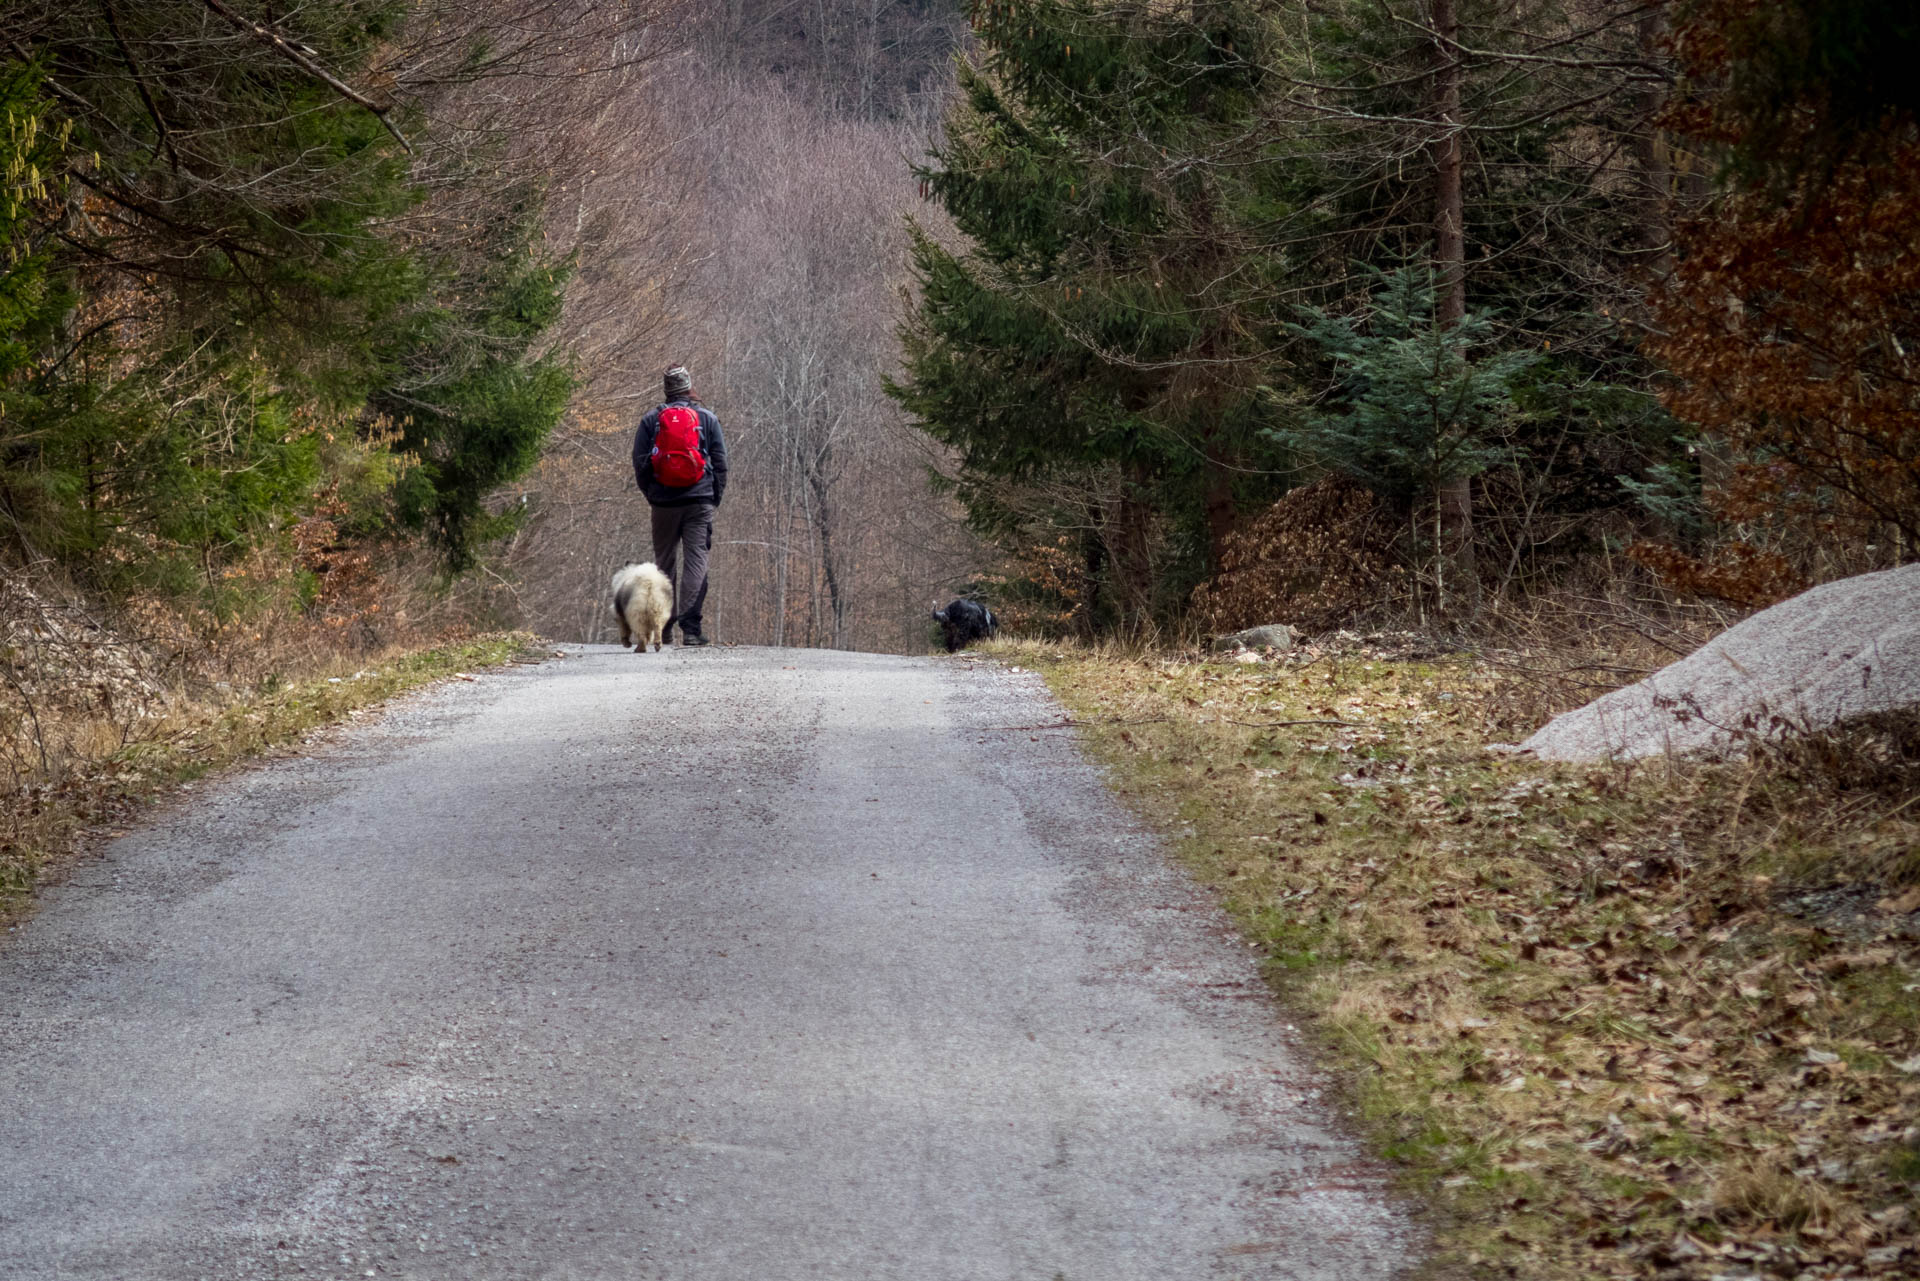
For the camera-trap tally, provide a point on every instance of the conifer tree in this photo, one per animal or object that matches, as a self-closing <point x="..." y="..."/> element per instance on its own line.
<point x="1416" y="397"/>
<point x="476" y="395"/>
<point x="1150" y="194"/>
<point x="1110" y="168"/>
<point x="254" y="259"/>
<point x="1505" y="145"/>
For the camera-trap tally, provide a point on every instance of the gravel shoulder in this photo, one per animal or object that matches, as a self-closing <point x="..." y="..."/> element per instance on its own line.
<point x="716" y="965"/>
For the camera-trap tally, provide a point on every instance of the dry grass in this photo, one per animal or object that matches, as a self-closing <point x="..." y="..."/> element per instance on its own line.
<point x="1656" y="1021"/>
<point x="93" y="725"/>
<point x="1558" y="650"/>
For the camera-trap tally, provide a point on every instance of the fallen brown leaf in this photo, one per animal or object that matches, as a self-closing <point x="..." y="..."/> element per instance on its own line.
<point x="1902" y="904"/>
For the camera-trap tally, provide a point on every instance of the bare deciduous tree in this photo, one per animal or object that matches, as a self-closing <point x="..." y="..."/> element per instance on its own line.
<point x="831" y="533"/>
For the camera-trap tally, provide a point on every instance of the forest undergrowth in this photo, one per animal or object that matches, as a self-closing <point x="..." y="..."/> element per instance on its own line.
<point x="101" y="718"/>
<point x="1624" y="1020"/>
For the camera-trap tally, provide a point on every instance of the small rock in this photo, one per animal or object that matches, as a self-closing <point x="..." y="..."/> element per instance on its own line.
<point x="1277" y="636"/>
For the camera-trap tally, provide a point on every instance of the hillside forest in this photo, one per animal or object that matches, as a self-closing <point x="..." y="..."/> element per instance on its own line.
<point x="1124" y="317"/>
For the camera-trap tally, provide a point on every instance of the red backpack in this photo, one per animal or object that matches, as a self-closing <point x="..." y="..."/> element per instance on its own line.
<point x="677" y="460"/>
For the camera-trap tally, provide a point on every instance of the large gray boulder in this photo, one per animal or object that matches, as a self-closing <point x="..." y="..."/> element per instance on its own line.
<point x="1277" y="636"/>
<point x="1841" y="650"/>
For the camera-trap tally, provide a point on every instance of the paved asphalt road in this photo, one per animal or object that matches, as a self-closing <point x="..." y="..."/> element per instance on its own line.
<point x="729" y="965"/>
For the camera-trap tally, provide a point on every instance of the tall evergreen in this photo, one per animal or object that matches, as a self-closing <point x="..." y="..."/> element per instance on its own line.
<point x="1150" y="196"/>
<point x="475" y="394"/>
<point x="1110" y="169"/>
<point x="1552" y="227"/>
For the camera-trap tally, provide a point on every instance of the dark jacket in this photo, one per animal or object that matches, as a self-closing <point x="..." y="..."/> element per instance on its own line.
<point x="710" y="488"/>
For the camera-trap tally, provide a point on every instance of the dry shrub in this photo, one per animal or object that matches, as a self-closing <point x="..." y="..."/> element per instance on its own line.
<point x="82" y="679"/>
<point x="347" y="585"/>
<point x="1319" y="559"/>
<point x="1864" y="772"/>
<point x="1876" y="753"/>
<point x="1559" y="650"/>
<point x="72" y="686"/>
<point x="1056" y="597"/>
<point x="91" y="693"/>
<point x="1738" y="573"/>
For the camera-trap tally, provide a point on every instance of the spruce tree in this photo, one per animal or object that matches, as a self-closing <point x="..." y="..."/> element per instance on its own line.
<point x="1416" y="398"/>
<point x="475" y="395"/>
<point x="1507" y="146"/>
<point x="1110" y="169"/>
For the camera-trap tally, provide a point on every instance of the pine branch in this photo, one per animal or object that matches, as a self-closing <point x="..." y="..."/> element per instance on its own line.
<point x="303" y="59"/>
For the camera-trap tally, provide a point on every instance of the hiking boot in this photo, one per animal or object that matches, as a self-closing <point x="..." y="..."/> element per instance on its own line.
<point x="693" y="640"/>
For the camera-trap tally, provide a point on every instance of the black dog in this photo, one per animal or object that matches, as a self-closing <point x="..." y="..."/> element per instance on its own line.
<point x="965" y="622"/>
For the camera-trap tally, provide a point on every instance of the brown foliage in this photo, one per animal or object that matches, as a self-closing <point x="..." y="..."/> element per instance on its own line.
<point x="1059" y="596"/>
<point x="1738" y="573"/>
<point x="347" y="583"/>
<point x="1793" y="323"/>
<point x="1320" y="558"/>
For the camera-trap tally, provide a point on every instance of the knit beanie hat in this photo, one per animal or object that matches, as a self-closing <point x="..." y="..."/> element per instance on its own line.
<point x="679" y="382"/>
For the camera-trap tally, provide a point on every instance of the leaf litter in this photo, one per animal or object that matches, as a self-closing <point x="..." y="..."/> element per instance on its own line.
<point x="1654" y="1020"/>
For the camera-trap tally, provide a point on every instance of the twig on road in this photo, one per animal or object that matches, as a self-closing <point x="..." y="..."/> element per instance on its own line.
<point x="1153" y="720"/>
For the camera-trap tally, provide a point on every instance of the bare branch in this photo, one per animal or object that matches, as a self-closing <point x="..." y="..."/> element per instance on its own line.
<point x="303" y="59"/>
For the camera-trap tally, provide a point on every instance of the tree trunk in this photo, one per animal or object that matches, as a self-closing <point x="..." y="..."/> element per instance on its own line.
<point x="1655" y="157"/>
<point x="781" y="569"/>
<point x="1219" y="506"/>
<point x="1450" y="254"/>
<point x="1093" y="562"/>
<point x="1130" y="546"/>
<point x="823" y="523"/>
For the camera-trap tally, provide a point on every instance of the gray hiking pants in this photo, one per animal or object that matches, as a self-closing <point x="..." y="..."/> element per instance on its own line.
<point x="689" y="531"/>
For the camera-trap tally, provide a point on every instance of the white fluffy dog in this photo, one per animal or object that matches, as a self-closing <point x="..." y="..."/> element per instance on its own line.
<point x="643" y="602"/>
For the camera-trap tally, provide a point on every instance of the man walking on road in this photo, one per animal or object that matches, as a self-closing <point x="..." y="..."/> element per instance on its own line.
<point x="680" y="463"/>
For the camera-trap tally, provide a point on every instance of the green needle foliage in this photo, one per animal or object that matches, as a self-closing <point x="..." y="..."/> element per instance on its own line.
<point x="478" y="397"/>
<point x="1109" y="169"/>
<point x="1146" y="195"/>
<point x="231" y="299"/>
<point x="1415" y="402"/>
